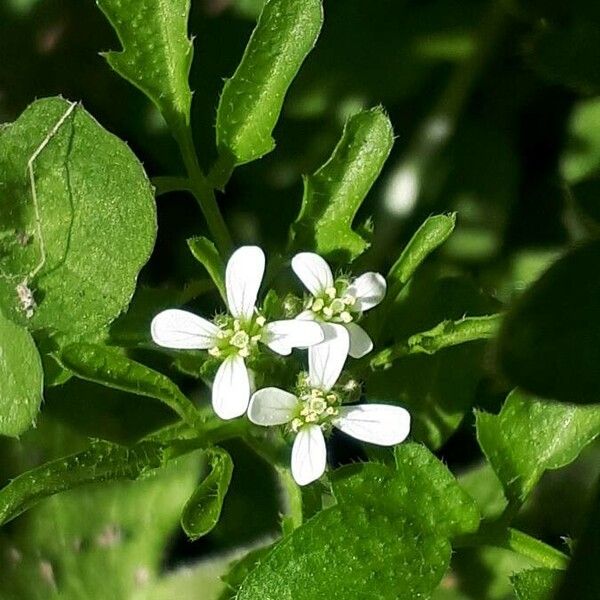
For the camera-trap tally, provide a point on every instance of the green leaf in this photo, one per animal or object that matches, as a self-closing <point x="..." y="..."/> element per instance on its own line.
<point x="101" y="462"/>
<point x="108" y="366"/>
<point x="535" y="584"/>
<point x="581" y="159"/>
<point x="252" y="99"/>
<point x="21" y="379"/>
<point x="64" y="547"/>
<point x="377" y="541"/>
<point x="207" y="255"/>
<point x="157" y="53"/>
<point x="549" y="342"/>
<point x="334" y="193"/>
<point x="431" y="235"/>
<point x="97" y="220"/>
<point x="531" y="435"/>
<point x="202" y="511"/>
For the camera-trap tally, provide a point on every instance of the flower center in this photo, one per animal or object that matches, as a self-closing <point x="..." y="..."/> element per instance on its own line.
<point x="236" y="337"/>
<point x="334" y="304"/>
<point x="316" y="407"/>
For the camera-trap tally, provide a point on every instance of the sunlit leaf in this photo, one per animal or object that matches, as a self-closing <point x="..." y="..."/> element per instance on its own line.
<point x="334" y="193"/>
<point x="97" y="220"/>
<point x="252" y="99"/>
<point x="157" y="52"/>
<point x="21" y="378"/>
<point x="110" y="367"/>
<point x="535" y="584"/>
<point x="376" y="541"/>
<point x="531" y="435"/>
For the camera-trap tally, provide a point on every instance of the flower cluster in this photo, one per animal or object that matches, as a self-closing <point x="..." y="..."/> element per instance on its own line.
<point x="326" y="327"/>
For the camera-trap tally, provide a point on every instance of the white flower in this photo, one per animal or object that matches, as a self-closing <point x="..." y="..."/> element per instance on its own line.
<point x="233" y="337"/>
<point x="339" y="301"/>
<point x="317" y="405"/>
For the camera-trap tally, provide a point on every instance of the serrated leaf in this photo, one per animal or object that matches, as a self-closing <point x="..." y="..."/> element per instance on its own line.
<point x="157" y="53"/>
<point x="531" y="435"/>
<point x="535" y="584"/>
<point x="252" y="99"/>
<point x="334" y="193"/>
<point x="549" y="342"/>
<point x="377" y="541"/>
<point x="97" y="215"/>
<point x="201" y="512"/>
<point x="110" y="367"/>
<point x="101" y="462"/>
<point x="21" y="379"/>
<point x="64" y="547"/>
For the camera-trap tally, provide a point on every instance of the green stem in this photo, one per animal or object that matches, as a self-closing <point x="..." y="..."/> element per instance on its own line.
<point x="203" y="193"/>
<point x="293" y="499"/>
<point x="443" y="335"/>
<point x="519" y="542"/>
<point x="166" y="184"/>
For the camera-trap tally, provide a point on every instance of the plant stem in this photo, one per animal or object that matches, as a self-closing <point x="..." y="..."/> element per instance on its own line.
<point x="293" y="499"/>
<point x="203" y="193"/>
<point x="517" y="541"/>
<point x="443" y="335"/>
<point x="166" y="184"/>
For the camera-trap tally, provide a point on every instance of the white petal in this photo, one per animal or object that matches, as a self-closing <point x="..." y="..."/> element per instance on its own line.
<point x="180" y="329"/>
<point x="326" y="360"/>
<point x="282" y="336"/>
<point x="231" y="388"/>
<point x="305" y="315"/>
<point x="309" y="455"/>
<point x="380" y="424"/>
<point x="368" y="289"/>
<point x="272" y="406"/>
<point x="360" y="342"/>
<point x="313" y="272"/>
<point x="243" y="277"/>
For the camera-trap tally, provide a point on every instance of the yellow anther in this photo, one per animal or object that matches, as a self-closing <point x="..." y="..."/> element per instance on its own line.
<point x="328" y="312"/>
<point x="346" y="317"/>
<point x="331" y="292"/>
<point x="337" y="306"/>
<point x="318" y="305"/>
<point x="214" y="351"/>
<point x="349" y="300"/>
<point x="260" y="320"/>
